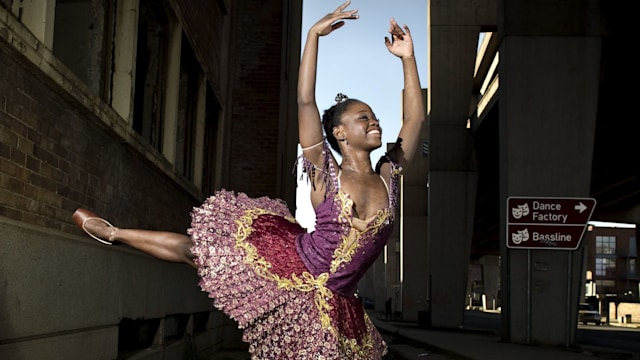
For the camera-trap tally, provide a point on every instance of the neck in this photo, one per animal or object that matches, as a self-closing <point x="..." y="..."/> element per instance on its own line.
<point x="359" y="164"/>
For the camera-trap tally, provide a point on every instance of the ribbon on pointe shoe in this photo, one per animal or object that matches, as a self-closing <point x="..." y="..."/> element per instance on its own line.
<point x="81" y="216"/>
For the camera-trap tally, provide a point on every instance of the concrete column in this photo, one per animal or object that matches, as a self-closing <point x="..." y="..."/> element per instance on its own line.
<point x="382" y="279"/>
<point x="392" y="288"/>
<point x="451" y="213"/>
<point x="414" y="254"/>
<point x="491" y="280"/>
<point x="452" y="175"/>
<point x="413" y="233"/>
<point x="549" y="73"/>
<point x="454" y="28"/>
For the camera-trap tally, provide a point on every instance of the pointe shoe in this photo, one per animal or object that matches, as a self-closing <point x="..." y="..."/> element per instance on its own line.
<point x="81" y="216"/>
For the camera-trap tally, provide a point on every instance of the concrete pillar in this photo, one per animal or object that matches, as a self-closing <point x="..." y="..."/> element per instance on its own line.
<point x="382" y="279"/>
<point x="392" y="287"/>
<point x="413" y="233"/>
<point x="549" y="73"/>
<point x="414" y="253"/>
<point x="491" y="280"/>
<point x="452" y="175"/>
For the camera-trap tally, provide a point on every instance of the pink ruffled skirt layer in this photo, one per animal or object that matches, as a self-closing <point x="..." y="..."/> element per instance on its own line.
<point x="247" y="261"/>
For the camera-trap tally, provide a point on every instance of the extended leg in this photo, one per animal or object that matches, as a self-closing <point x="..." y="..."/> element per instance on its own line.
<point x="163" y="245"/>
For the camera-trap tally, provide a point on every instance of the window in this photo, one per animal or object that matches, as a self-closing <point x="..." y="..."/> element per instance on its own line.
<point x="211" y="143"/>
<point x="605" y="266"/>
<point x="134" y="56"/>
<point x="78" y="32"/>
<point x="605" y="245"/>
<point x="37" y="16"/>
<point x="188" y="97"/>
<point x="633" y="249"/>
<point x="151" y="63"/>
<point x="81" y="40"/>
<point x="632" y="268"/>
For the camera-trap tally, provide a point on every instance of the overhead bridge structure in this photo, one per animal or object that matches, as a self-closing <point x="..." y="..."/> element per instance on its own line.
<point x="525" y="99"/>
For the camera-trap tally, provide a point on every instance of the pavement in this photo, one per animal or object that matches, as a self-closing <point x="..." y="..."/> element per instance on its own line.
<point x="479" y="341"/>
<point x="409" y="341"/>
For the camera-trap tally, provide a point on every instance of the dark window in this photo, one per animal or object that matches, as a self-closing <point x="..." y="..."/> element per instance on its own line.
<point x="190" y="76"/>
<point x="82" y="39"/>
<point x="212" y="123"/>
<point x="151" y="60"/>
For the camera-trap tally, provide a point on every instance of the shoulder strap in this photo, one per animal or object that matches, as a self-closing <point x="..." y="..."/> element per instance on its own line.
<point x="329" y="176"/>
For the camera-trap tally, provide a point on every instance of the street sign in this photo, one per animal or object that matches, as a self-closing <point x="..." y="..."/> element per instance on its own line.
<point x="547" y="222"/>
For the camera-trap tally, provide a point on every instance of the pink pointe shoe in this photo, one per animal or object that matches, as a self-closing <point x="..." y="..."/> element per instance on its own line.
<point x="81" y="216"/>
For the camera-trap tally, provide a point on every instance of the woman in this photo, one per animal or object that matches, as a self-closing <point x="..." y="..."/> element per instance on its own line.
<point x="301" y="285"/>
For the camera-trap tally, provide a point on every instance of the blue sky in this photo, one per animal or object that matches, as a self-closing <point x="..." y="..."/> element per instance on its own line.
<point x="354" y="60"/>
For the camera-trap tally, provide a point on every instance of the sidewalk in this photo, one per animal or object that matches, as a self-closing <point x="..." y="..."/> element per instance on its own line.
<point x="410" y="342"/>
<point x="414" y="342"/>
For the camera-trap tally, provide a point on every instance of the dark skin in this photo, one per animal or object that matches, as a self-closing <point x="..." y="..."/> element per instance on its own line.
<point x="358" y="179"/>
<point x="359" y="131"/>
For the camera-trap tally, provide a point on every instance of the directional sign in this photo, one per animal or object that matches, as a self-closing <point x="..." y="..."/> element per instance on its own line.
<point x="547" y="223"/>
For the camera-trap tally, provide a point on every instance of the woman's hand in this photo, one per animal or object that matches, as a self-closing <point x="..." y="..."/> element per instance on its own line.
<point x="400" y="44"/>
<point x="334" y="20"/>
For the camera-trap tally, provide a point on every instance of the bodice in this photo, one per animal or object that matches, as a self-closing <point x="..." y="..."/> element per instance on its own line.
<point x="342" y="245"/>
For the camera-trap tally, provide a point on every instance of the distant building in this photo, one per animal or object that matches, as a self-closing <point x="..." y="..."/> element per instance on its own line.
<point x="611" y="259"/>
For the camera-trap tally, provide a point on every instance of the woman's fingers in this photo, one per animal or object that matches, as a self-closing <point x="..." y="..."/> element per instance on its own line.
<point x="406" y="30"/>
<point x="337" y="25"/>
<point x="335" y="20"/>
<point x="342" y="14"/>
<point x="396" y="30"/>
<point x="343" y="6"/>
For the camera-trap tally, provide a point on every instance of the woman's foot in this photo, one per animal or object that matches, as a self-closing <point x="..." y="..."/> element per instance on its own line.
<point x="96" y="227"/>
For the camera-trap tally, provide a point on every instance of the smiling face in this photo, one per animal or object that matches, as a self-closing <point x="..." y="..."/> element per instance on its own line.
<point x="360" y="127"/>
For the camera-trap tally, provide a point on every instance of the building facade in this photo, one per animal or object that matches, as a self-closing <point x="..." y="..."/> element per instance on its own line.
<point x="137" y="110"/>
<point x="611" y="270"/>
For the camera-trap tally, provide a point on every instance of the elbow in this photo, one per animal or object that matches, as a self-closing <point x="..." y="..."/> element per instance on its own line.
<point x="306" y="100"/>
<point x="418" y="119"/>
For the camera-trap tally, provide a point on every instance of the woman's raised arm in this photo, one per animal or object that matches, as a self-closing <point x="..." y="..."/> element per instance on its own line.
<point x="413" y="108"/>
<point x="309" y="126"/>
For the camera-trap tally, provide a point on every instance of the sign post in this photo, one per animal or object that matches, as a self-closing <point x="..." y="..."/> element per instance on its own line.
<point x="548" y="222"/>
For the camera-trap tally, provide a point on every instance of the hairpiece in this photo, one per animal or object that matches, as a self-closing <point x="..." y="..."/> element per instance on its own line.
<point x="341" y="98"/>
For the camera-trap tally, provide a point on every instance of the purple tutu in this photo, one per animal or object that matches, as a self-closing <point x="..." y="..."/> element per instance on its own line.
<point x="248" y="262"/>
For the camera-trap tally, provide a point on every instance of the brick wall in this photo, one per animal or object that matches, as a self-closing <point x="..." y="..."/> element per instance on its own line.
<point x="251" y="100"/>
<point x="55" y="157"/>
<point x="54" y="160"/>
<point x="256" y="97"/>
<point x="206" y="24"/>
<point x="62" y="147"/>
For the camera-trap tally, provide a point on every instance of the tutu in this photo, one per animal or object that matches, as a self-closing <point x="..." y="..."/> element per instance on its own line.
<point x="292" y="292"/>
